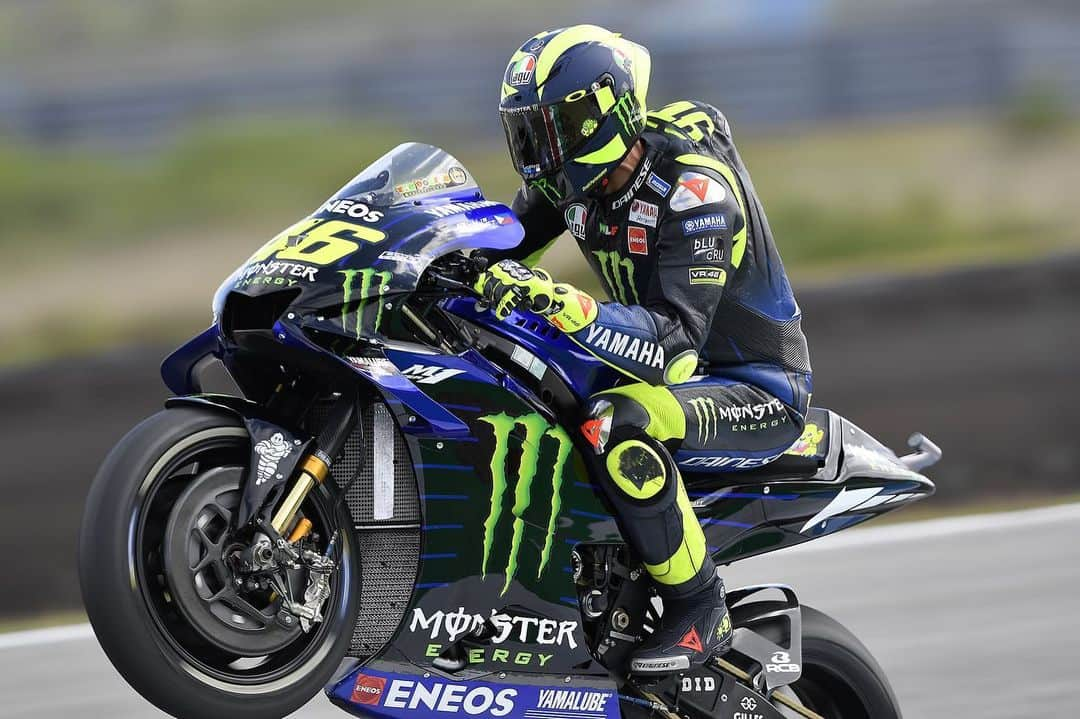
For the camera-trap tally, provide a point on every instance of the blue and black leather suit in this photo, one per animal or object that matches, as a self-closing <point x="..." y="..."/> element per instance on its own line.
<point x="686" y="254"/>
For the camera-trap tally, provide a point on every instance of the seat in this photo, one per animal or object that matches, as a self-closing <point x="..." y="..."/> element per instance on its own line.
<point x="803" y="460"/>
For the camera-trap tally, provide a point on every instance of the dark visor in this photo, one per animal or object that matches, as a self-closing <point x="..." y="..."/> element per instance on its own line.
<point x="542" y="137"/>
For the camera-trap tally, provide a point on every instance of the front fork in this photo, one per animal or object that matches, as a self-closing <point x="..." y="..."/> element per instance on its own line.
<point x="313" y="471"/>
<point x="315" y="467"/>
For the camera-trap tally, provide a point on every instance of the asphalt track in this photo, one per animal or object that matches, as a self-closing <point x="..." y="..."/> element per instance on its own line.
<point x="971" y="617"/>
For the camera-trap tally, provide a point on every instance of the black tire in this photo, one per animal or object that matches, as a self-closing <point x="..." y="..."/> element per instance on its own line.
<point x="841" y="679"/>
<point x="142" y="646"/>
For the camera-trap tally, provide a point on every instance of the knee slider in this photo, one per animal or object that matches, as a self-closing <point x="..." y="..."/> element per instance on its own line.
<point x="638" y="470"/>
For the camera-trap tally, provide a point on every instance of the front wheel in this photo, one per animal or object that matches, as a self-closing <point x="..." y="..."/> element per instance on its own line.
<point x="187" y="634"/>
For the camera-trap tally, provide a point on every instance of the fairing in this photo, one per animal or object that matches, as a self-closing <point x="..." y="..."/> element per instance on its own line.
<point x="372" y="240"/>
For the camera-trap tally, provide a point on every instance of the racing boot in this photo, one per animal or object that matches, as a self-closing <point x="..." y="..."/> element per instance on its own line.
<point x="693" y="628"/>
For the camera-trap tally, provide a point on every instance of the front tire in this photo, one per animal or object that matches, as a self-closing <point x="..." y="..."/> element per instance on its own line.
<point x="132" y="609"/>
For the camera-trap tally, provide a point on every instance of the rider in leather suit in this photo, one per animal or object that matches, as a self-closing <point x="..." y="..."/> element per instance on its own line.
<point x="702" y="321"/>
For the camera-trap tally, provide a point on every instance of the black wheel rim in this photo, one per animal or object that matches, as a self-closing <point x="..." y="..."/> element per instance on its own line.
<point x="177" y="637"/>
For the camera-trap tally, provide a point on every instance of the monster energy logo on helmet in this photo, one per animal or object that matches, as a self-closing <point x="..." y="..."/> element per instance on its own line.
<point x="629" y="113"/>
<point x="618" y="273"/>
<point x="547" y="189"/>
<point x="362" y="282"/>
<point x="708" y="417"/>
<point x="539" y="436"/>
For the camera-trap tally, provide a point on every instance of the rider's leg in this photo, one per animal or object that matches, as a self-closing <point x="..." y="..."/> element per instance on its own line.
<point x="630" y="426"/>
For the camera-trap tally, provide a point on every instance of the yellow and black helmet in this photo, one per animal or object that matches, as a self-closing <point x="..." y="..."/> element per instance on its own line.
<point x="573" y="103"/>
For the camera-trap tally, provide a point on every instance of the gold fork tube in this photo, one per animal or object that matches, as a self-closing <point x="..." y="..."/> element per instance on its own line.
<point x="313" y="471"/>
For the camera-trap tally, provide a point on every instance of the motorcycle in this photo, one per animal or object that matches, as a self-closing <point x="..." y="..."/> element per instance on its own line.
<point x="394" y="504"/>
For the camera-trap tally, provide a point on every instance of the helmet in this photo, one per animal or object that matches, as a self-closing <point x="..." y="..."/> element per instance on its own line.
<point x="573" y="103"/>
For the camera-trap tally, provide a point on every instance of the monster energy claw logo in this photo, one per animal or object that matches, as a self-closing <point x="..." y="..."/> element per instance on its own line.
<point x="708" y="417"/>
<point x="628" y="113"/>
<point x="619" y="275"/>
<point x="538" y="436"/>
<point x="549" y="190"/>
<point x="363" y="282"/>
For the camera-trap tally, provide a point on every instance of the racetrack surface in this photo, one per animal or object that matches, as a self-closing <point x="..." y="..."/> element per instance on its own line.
<point x="970" y="617"/>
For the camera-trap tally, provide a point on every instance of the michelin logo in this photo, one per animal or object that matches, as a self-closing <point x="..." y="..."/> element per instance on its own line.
<point x="271" y="451"/>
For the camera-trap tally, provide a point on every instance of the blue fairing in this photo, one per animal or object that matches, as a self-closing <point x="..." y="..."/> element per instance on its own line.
<point x="178" y="369"/>
<point x="581" y="371"/>
<point x="370" y="693"/>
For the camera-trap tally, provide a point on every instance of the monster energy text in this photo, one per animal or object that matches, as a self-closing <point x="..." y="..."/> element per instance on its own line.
<point x="276" y="273"/>
<point x="533" y="443"/>
<point x="618" y="273"/>
<point x="744" y="417"/>
<point x="364" y="285"/>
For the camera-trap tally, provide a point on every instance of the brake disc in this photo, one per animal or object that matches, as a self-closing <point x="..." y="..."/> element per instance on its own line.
<point x="203" y="587"/>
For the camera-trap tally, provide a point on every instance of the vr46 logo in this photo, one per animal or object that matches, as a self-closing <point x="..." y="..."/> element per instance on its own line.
<point x="541" y="444"/>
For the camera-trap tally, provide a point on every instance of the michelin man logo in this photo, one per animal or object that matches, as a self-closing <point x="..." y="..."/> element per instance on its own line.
<point x="271" y="452"/>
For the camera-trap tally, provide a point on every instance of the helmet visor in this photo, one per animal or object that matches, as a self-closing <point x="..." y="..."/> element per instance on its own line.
<point x="543" y="137"/>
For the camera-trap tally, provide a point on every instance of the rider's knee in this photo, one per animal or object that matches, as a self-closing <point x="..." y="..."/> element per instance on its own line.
<point x="612" y="418"/>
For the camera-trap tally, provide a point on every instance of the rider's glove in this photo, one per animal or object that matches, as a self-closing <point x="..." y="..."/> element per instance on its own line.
<point x="508" y="285"/>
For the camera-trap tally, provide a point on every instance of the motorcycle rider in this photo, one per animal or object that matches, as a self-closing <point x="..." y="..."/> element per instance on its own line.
<point x="702" y="320"/>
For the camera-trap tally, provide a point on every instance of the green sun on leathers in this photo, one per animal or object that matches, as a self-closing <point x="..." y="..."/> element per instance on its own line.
<point x="619" y="275"/>
<point x="361" y="283"/>
<point x="541" y="445"/>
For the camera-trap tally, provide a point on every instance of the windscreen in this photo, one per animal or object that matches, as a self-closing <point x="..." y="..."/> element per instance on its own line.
<point x="411" y="171"/>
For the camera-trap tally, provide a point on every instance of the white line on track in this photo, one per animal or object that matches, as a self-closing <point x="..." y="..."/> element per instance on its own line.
<point x="911" y="531"/>
<point x="52" y="635"/>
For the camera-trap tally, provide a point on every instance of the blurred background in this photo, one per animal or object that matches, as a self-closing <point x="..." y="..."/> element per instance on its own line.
<point x="919" y="162"/>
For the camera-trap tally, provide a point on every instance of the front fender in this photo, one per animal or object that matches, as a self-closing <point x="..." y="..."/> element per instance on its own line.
<point x="236" y="406"/>
<point x="275" y="450"/>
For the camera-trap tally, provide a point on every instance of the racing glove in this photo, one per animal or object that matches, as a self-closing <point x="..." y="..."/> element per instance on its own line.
<point x="509" y="285"/>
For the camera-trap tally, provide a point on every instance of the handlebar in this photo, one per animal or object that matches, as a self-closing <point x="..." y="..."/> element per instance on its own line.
<point x="455" y="272"/>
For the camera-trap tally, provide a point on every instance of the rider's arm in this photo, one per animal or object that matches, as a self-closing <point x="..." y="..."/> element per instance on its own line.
<point x="698" y="249"/>
<point x="543" y="224"/>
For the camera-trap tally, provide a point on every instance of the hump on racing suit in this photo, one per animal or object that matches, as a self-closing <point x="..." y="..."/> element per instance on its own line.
<point x="757" y="319"/>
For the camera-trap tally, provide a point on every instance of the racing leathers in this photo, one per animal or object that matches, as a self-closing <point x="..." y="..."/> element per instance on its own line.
<point x="702" y="322"/>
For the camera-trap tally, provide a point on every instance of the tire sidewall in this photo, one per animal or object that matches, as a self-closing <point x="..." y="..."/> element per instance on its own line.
<point x="116" y="605"/>
<point x="829" y="646"/>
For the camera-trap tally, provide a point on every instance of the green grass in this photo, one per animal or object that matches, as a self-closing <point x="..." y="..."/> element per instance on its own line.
<point x="82" y="227"/>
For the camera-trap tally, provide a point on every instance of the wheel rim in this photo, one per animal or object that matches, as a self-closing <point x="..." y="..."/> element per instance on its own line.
<point x="197" y="545"/>
<point x="825" y="692"/>
<point x="214" y="450"/>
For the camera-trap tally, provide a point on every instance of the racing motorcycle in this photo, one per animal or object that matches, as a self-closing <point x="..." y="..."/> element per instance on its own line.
<point x="394" y="503"/>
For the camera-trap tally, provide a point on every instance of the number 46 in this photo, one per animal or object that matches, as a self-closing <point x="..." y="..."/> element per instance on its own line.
<point x="321" y="242"/>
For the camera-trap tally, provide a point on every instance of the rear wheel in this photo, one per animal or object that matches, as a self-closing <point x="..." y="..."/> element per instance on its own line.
<point x="840" y="678"/>
<point x="158" y="583"/>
